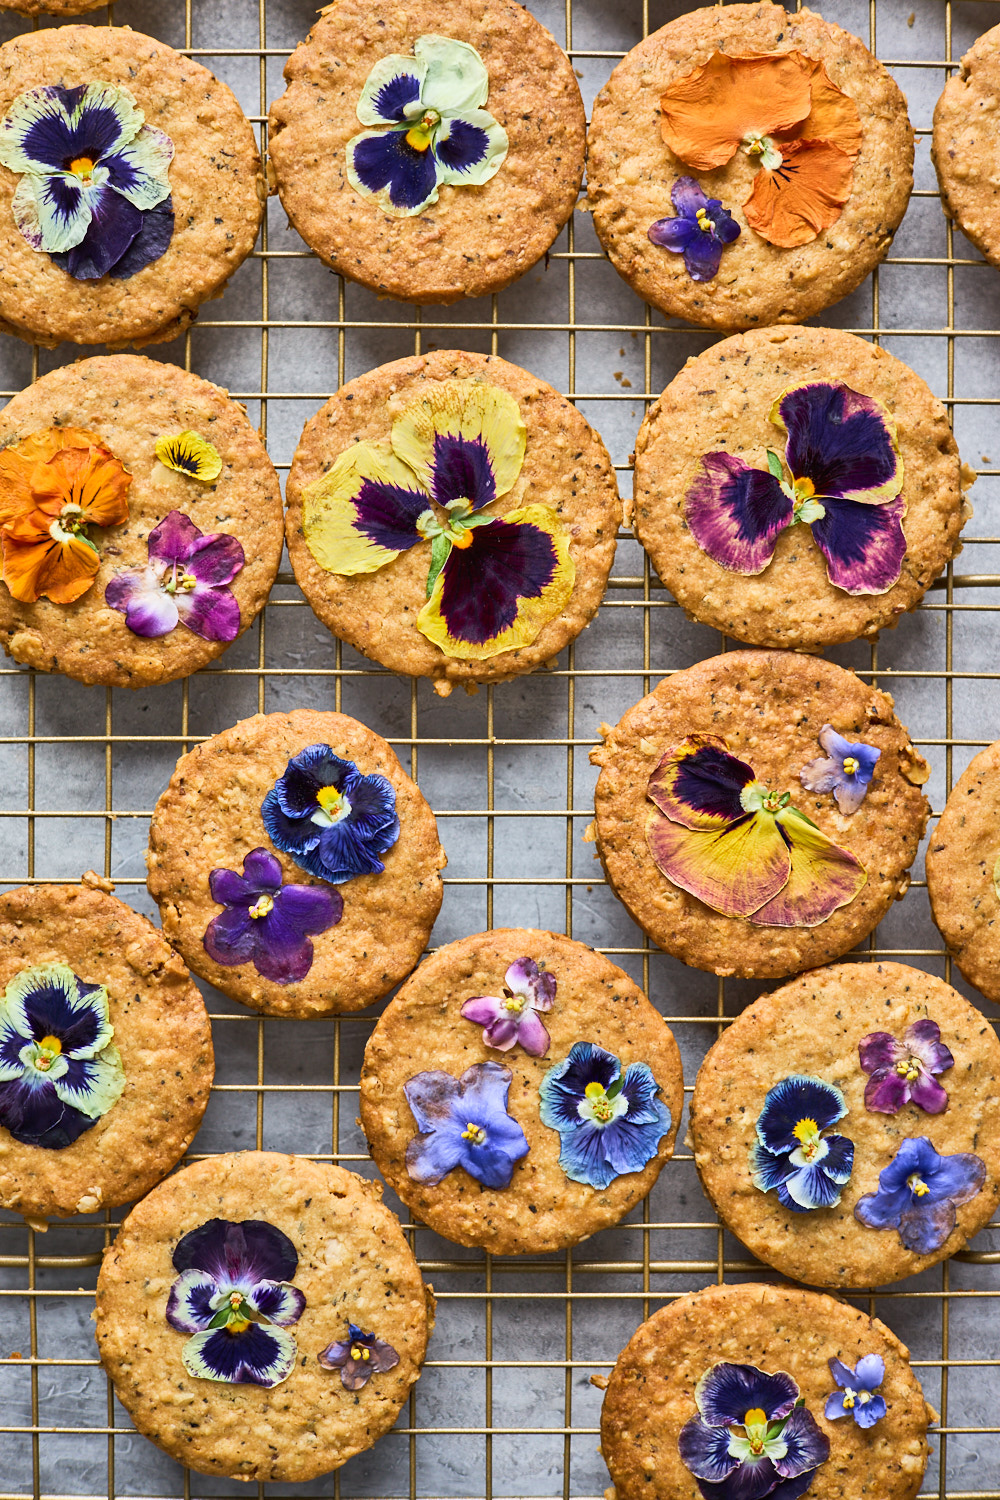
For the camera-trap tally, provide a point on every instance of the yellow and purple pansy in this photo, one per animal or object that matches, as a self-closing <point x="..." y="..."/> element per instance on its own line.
<point x="609" y="1119"/>
<point x="333" y="820"/>
<point x="742" y="849"/>
<point x="189" y="453"/>
<point x="918" y="1193"/>
<point x="904" y="1072"/>
<point x="427" y="127"/>
<point x="493" y="581"/>
<point x="265" y="922"/>
<point x="463" y="1122"/>
<point x="700" y="229"/>
<point x="513" y="1018"/>
<point x="845" y="481"/>
<point x="845" y="770"/>
<point x="93" y="191"/>
<point x="358" y="1357"/>
<point x="791" y="1154"/>
<point x="858" y="1394"/>
<point x="183" y="583"/>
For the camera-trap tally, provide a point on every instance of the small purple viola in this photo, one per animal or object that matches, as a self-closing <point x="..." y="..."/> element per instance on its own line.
<point x="463" y="1122"/>
<point x="333" y="820"/>
<point x="700" y="231"/>
<point x="845" y="770"/>
<point x="858" y="1391"/>
<point x="513" y="1017"/>
<point x="903" y="1072"/>
<point x="266" y="923"/>
<point x="183" y="583"/>
<point x="918" y="1193"/>
<point x="359" y="1357"/>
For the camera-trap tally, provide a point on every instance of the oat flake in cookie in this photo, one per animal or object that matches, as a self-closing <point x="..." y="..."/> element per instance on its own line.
<point x="721" y="820"/>
<point x="711" y="1382"/>
<point x="963" y="872"/>
<point x="748" y="166"/>
<point x="105" y="1051"/>
<point x="320" y="1316"/>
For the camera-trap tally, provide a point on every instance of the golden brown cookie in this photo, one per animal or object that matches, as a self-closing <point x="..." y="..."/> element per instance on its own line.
<point x="190" y="565"/>
<point x="800" y="268"/>
<point x="460" y="209"/>
<point x="767" y="709"/>
<point x="962" y="145"/>
<point x="520" y="1092"/>
<point x="337" y="1272"/>
<point x="51" y="7"/>
<point x="105" y="1051"/>
<point x="703" y="451"/>
<point x="481" y="438"/>
<point x="881" y="1056"/>
<point x="654" y="1396"/>
<point x="296" y="864"/>
<point x="961" y="872"/>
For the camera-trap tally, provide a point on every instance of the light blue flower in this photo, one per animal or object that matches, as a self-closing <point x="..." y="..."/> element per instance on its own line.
<point x="857" y="1391"/>
<point x="845" y="770"/>
<point x="609" y="1122"/>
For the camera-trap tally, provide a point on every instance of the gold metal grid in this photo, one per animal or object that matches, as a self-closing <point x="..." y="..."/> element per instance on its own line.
<point x="587" y="1301"/>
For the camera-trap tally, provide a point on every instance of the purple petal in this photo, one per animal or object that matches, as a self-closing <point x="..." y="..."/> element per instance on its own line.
<point x="698" y="783"/>
<point x="36" y="1116"/>
<point x="463" y="146"/>
<point x="924" y="1040"/>
<point x="152" y="241"/>
<point x="524" y="977"/>
<point x="886" y="1092"/>
<point x="870" y="1372"/>
<point x="314" y="767"/>
<point x="230" y="889"/>
<point x="687" y="197"/>
<point x="703" y="256"/>
<point x="261" y="870"/>
<point x="137" y="595"/>
<point x="335" y="1355"/>
<point x="532" y="1035"/>
<point x="355" y="1373"/>
<point x="729" y="1391"/>
<point x="879" y="1049"/>
<point x="959" y="1177"/>
<point x="431" y="1156"/>
<point x="383" y="1357"/>
<point x="189" y="1305"/>
<point x="237" y="1253"/>
<point x="462" y="470"/>
<point x="483" y="1009"/>
<point x="838" y="439"/>
<point x="867" y="1413"/>
<point x="256" y="1356"/>
<point x="484" y="582"/>
<point x="924" y="1228"/>
<point x="430" y="1096"/>
<point x="216" y="559"/>
<point x="231" y="937"/>
<point x="736" y="513"/>
<point x="821" y="774"/>
<point x="385" y="160"/>
<point x="752" y="1480"/>
<point x="503" y="1033"/>
<point x="310" y="908"/>
<point x="387" y="514"/>
<point x="283" y="953"/>
<point x="392" y="98"/>
<point x="808" y="1447"/>
<point x="882" y="1210"/>
<point x="174" y="539"/>
<point x="863" y="545"/>
<point x="672" y="234"/>
<point x="705" y="1451"/>
<point x="278" y="1302"/>
<point x="842" y="1374"/>
<point x="927" y="1094"/>
<point x="835" y="1407"/>
<point x="115" y="224"/>
<point x="213" y="614"/>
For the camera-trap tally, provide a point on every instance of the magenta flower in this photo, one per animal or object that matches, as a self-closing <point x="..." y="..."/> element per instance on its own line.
<point x="266" y="923"/>
<point x="903" y="1072"/>
<point x="358" y="1357"/>
<point x="184" y="582"/>
<point x="513" y="1017"/>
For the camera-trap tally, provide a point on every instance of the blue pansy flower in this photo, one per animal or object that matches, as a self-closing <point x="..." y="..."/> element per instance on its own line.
<point x="918" y="1193"/>
<point x="858" y="1387"/>
<point x="463" y="1122"/>
<point x="845" y="770"/>
<point x="610" y="1122"/>
<point x="332" y="820"/>
<point x="429" y="127"/>
<point x="93" y="188"/>
<point x="791" y="1154"/>
<point x="700" y="231"/>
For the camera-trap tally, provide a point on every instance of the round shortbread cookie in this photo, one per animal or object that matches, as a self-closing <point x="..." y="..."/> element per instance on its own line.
<point x="961" y="872"/>
<point x="51" y="7"/>
<point x="962" y="146"/>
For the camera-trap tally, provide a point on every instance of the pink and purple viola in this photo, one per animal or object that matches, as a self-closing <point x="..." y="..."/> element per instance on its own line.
<point x="904" y="1072"/>
<point x="609" y="1119"/>
<point x="919" y="1192"/>
<point x="184" y="583"/>
<point x="463" y="1122"/>
<point x="700" y="229"/>
<point x="858" y="1394"/>
<point x="846" y="770"/>
<point x="267" y="923"/>
<point x="333" y="820"/>
<point x="845" y="482"/>
<point x="358" y="1357"/>
<point x="752" y="1437"/>
<point x="512" y="1019"/>
<point x="234" y="1294"/>
<point x="791" y="1154"/>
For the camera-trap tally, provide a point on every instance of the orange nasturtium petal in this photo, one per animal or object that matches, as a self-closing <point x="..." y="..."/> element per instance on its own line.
<point x="698" y="783"/>
<point x="833" y="117"/>
<point x="795" y="202"/>
<point x="708" y="113"/>
<point x="60" y="570"/>
<point x="91" y="478"/>
<point x="735" y="871"/>
<point x="823" y="877"/>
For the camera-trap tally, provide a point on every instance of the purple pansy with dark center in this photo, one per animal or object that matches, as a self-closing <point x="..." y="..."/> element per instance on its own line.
<point x="184" y="583"/>
<point x="266" y="923"/>
<point x="845" y="770"/>
<point x="752" y="1436"/>
<point x="806" y="1168"/>
<point x="463" y="1122"/>
<point x="359" y="1357"/>
<point x="918" y="1193"/>
<point x="858" y="1391"/>
<point x="846" y="477"/>
<point x="903" y="1072"/>
<point x="513" y="1017"/>
<point x="700" y="230"/>
<point x="610" y="1121"/>
<point x="332" y="820"/>
<point x="234" y="1294"/>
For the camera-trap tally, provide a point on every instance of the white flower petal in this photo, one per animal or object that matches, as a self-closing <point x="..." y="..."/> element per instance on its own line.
<point x="497" y="146"/>
<point x="51" y="212"/>
<point x="139" y="170"/>
<point x="105" y="1084"/>
<point x="383" y="76"/>
<point x="455" y="79"/>
<point x="119" y="102"/>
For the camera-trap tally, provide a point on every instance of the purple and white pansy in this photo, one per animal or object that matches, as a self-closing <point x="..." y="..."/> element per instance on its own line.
<point x="184" y="583"/>
<point x="846" y="770"/>
<point x="426" y="127"/>
<point x="904" y="1072"/>
<point x="699" y="230"/>
<point x="93" y="191"/>
<point x="332" y="819"/>
<point x="513" y="1019"/>
<point x="791" y="1154"/>
<point x="858" y="1394"/>
<point x="358" y="1357"/>
<point x="266" y="923"/>
<point x="845" y="477"/>
<point x="234" y="1295"/>
<point x="610" y="1120"/>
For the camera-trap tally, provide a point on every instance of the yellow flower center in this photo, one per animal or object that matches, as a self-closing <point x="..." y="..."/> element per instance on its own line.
<point x="851" y="764"/>
<point x="419" y="136"/>
<point x="474" y="1133"/>
<point x="917" y="1185"/>
<point x="49" y="1049"/>
<point x="329" y="800"/>
<point x="83" y="166"/>
<point x="262" y="906"/>
<point x="704" y="222"/>
<point x="755" y="1423"/>
<point x="598" y="1097"/>
<point x="908" y="1068"/>
<point x="806" y="1132"/>
<point x="237" y="1325"/>
<point x="514" y="1003"/>
<point x="357" y="1352"/>
<point x="848" y="1399"/>
<point x="461" y="539"/>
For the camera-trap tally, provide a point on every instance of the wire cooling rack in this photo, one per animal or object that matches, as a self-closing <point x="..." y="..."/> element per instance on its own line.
<point x="504" y="1407"/>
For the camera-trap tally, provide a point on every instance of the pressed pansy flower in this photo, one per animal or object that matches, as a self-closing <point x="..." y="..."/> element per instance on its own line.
<point x="331" y="819"/>
<point x="903" y="1072"/>
<point x="744" y="850"/>
<point x="463" y="1122"/>
<point x="266" y="923"/>
<point x="493" y="582"/>
<point x="752" y="1436"/>
<point x="184" y="583"/>
<point x="700" y="230"/>
<point x="359" y="1357"/>
<point x="791" y="1153"/>
<point x="610" y="1121"/>
<point x="918" y="1193"/>
<point x="189" y="453"/>
<point x="846" y="770"/>
<point x="59" y="1072"/>
<point x="783" y="109"/>
<point x="54" y="484"/>
<point x="430" y="128"/>
<point x="846" y="475"/>
<point x="94" y="190"/>
<point x="858" y="1395"/>
<point x="512" y="1018"/>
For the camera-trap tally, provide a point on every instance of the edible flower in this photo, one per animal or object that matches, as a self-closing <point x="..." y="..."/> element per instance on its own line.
<point x="493" y="582"/>
<point x="431" y="128"/>
<point x="610" y="1121"/>
<point x="791" y="1154"/>
<point x="846" y="475"/>
<point x="54" y="484"/>
<point x="918" y="1193"/>
<point x="845" y="770"/>
<point x="700" y="230"/>
<point x="858" y="1391"/>
<point x="359" y="1357"/>
<point x="903" y="1072"/>
<point x="513" y="1017"/>
<point x="332" y="820"/>
<point x="183" y="583"/>
<point x="59" y="1072"/>
<point x="463" y="1122"/>
<point x="234" y="1294"/>
<point x="189" y="453"/>
<point x="784" y="110"/>
<point x="741" y="848"/>
<point x="266" y="923"/>
<point x="752" y="1436"/>
<point x="94" y="190"/>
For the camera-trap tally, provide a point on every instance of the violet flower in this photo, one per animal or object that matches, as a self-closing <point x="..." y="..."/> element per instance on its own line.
<point x="791" y="1154"/>
<point x="359" y="1357"/>
<point x="918" y="1192"/>
<point x="513" y="1017"/>
<point x="331" y="819"/>
<point x="902" y="1072"/>
<point x="700" y="231"/>
<point x="857" y="1391"/>
<point x="266" y="923"/>
<point x="609" y="1119"/>
<point x="845" y="770"/>
<point x="183" y="583"/>
<point x="463" y="1122"/>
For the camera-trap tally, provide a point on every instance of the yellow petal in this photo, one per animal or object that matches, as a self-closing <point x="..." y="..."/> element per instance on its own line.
<point x="468" y="409"/>
<point x="823" y="877"/>
<point x="734" y="871"/>
<point x="191" y="454"/>
<point x="333" y="516"/>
